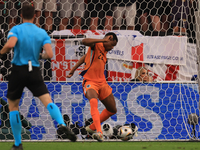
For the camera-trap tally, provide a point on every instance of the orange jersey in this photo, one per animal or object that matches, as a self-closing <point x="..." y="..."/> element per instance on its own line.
<point x="95" y="61"/>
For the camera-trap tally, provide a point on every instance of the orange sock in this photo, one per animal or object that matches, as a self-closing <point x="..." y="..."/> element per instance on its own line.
<point x="105" y="114"/>
<point x="95" y="114"/>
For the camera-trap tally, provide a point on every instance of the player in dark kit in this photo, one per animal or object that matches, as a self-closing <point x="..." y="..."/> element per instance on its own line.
<point x="27" y="40"/>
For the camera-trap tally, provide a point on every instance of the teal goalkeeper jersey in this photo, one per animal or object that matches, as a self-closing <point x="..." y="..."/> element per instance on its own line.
<point x="30" y="41"/>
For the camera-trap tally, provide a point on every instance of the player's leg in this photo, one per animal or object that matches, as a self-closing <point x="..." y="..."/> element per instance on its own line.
<point x="56" y="114"/>
<point x="110" y="109"/>
<point x="37" y="86"/>
<point x="109" y="103"/>
<point x="15" y="89"/>
<point x="52" y="108"/>
<point x="15" y="121"/>
<point x="92" y="96"/>
<point x="107" y="98"/>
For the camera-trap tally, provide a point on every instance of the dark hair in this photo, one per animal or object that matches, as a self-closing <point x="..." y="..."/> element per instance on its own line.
<point x="113" y="34"/>
<point x="28" y="12"/>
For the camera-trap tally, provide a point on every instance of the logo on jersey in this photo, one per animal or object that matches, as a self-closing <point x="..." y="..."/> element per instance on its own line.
<point x="10" y="33"/>
<point x="88" y="86"/>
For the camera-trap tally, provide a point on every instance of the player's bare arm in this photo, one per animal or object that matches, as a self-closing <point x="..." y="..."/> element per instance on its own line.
<point x="9" y="45"/>
<point x="48" y="52"/>
<point x="80" y="62"/>
<point x="90" y="41"/>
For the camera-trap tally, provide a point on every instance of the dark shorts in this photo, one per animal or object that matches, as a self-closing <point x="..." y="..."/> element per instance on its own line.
<point x="20" y="77"/>
<point x="102" y="89"/>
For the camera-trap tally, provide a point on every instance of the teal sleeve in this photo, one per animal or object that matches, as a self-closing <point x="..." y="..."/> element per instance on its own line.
<point x="13" y="32"/>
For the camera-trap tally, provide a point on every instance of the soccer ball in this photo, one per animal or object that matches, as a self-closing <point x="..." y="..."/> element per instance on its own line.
<point x="125" y="133"/>
<point x="107" y="129"/>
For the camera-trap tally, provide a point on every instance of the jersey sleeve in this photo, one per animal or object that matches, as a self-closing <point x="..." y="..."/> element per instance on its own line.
<point x="13" y="32"/>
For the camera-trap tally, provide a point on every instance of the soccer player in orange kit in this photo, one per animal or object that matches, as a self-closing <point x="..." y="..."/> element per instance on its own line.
<point x="94" y="82"/>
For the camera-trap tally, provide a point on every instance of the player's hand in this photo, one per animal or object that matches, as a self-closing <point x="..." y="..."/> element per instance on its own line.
<point x="108" y="38"/>
<point x="70" y="74"/>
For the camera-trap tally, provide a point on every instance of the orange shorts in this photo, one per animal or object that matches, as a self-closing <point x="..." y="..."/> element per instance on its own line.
<point x="103" y="89"/>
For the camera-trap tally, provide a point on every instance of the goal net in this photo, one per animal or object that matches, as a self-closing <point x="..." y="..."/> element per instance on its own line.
<point x="165" y="42"/>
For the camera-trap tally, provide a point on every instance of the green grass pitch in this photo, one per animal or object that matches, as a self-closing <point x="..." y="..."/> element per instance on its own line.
<point x="131" y="145"/>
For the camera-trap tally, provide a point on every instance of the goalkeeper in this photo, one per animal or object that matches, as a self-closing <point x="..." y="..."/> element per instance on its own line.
<point x="94" y="83"/>
<point x="27" y="40"/>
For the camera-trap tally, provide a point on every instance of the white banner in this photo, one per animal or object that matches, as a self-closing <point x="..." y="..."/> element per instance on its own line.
<point x="159" y="50"/>
<point x="66" y="54"/>
<point x="167" y="58"/>
<point x="146" y="49"/>
<point x="132" y="46"/>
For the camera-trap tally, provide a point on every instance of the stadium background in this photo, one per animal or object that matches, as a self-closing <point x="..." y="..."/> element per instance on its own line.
<point x="159" y="109"/>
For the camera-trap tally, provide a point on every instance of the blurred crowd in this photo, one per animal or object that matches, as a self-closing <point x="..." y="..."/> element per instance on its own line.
<point x="142" y="15"/>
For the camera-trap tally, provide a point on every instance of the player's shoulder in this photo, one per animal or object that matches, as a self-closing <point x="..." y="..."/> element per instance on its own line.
<point x="14" y="30"/>
<point x="16" y="27"/>
<point x="100" y="43"/>
<point x="42" y="30"/>
<point x="100" y="47"/>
